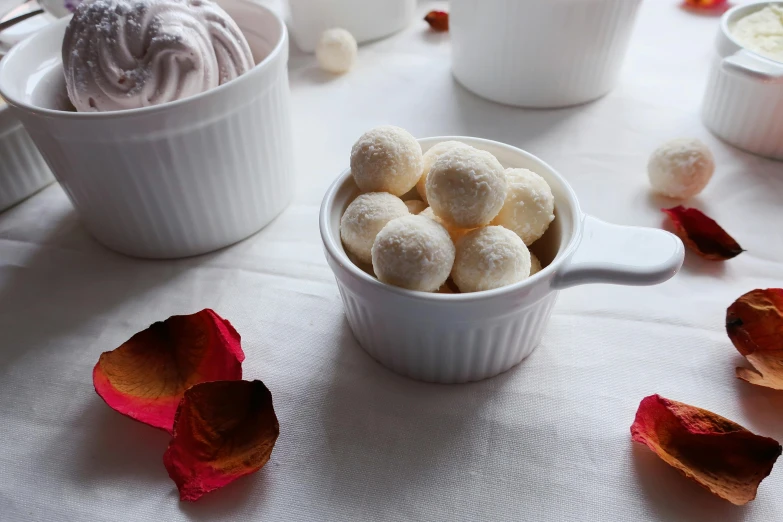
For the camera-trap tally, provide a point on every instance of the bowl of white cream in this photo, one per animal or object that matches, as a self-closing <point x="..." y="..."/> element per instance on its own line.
<point x="743" y="104"/>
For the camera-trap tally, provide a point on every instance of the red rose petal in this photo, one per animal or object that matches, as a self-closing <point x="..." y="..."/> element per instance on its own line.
<point x="223" y="430"/>
<point x="702" y="235"/>
<point x="719" y="454"/>
<point x="754" y="323"/>
<point x="707" y="5"/>
<point x="146" y="377"/>
<point x="438" y="20"/>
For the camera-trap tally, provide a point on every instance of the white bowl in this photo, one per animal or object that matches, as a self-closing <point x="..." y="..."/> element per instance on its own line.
<point x="451" y="338"/>
<point x="171" y="180"/>
<point x="743" y="103"/>
<point x="23" y="171"/>
<point x="365" y="19"/>
<point x="540" y="53"/>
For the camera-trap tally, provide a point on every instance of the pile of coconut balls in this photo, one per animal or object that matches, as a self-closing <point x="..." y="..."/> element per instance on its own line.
<point x="473" y="223"/>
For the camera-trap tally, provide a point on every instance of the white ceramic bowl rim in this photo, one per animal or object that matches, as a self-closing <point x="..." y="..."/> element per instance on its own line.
<point x="739" y="10"/>
<point x="334" y="245"/>
<point x="257" y="69"/>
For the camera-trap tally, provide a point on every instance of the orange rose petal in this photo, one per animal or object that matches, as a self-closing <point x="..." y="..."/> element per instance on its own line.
<point x="719" y="454"/>
<point x="707" y="5"/>
<point x="438" y="20"/>
<point x="223" y="431"/>
<point x="146" y="377"/>
<point x="702" y="234"/>
<point x="754" y="323"/>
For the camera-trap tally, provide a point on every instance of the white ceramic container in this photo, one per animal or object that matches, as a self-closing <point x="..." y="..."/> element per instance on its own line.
<point x="22" y="169"/>
<point x="452" y="338"/>
<point x="172" y="180"/>
<point x="365" y="19"/>
<point x="540" y="53"/>
<point x="743" y="103"/>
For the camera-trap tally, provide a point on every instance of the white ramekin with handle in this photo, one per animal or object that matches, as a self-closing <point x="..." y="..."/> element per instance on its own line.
<point x="540" y="53"/>
<point x="743" y="103"/>
<point x="172" y="180"/>
<point x="23" y="171"/>
<point x="365" y="19"/>
<point x="453" y="338"/>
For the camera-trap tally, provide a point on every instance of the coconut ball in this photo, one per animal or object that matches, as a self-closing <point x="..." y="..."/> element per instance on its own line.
<point x="456" y="233"/>
<point x="415" y="206"/>
<point x="364" y="218"/>
<point x="490" y="257"/>
<point x="413" y="252"/>
<point x="429" y="159"/>
<point x="336" y="51"/>
<point x="466" y="187"/>
<point x="681" y="168"/>
<point x="529" y="207"/>
<point x="386" y="159"/>
<point x="535" y="264"/>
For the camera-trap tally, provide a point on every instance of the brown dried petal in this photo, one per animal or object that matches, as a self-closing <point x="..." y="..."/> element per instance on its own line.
<point x="754" y="323"/>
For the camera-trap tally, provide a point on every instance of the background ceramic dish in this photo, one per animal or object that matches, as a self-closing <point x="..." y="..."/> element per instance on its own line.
<point x="535" y="53"/>
<point x="364" y="19"/>
<point x="22" y="169"/>
<point x="743" y="103"/>
<point x="451" y="338"/>
<point x="172" y="180"/>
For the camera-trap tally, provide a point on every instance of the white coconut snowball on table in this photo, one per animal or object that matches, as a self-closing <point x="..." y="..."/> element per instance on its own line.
<point x="415" y="206"/>
<point x="386" y="159"/>
<point x="466" y="187"/>
<point x="435" y="152"/>
<point x="413" y="252"/>
<point x="336" y="51"/>
<point x="488" y="258"/>
<point x="535" y="264"/>
<point x="681" y="168"/>
<point x="455" y="232"/>
<point x="364" y="218"/>
<point x="529" y="207"/>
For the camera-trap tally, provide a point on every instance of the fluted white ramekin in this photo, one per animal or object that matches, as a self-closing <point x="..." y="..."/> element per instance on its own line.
<point x="452" y="338"/>
<point x="540" y="53"/>
<point x="743" y="103"/>
<point x="171" y="180"/>
<point x="23" y="171"/>
<point x="365" y="19"/>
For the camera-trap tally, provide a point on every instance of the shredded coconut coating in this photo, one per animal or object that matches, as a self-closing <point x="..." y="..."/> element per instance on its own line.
<point x="681" y="168"/>
<point x="466" y="187"/>
<point x="535" y="264"/>
<point x="529" y="207"/>
<point x="429" y="158"/>
<point x="127" y="54"/>
<point x="364" y="218"/>
<point x="336" y="51"/>
<point x="413" y="252"/>
<point x="490" y="257"/>
<point x="386" y="159"/>
<point x="415" y="206"/>
<point x="455" y="232"/>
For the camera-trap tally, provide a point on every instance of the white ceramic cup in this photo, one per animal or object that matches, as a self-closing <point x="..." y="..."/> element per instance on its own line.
<point x="172" y="180"/>
<point x="23" y="171"/>
<point x="452" y="338"/>
<point x="540" y="53"/>
<point x="365" y="19"/>
<point x="743" y="103"/>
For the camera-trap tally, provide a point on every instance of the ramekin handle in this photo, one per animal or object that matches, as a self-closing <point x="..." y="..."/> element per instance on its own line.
<point x="748" y="64"/>
<point x="621" y="255"/>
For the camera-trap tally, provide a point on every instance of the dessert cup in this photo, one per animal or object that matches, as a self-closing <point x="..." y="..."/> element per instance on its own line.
<point x="743" y="103"/>
<point x="454" y="338"/>
<point x="172" y="180"/>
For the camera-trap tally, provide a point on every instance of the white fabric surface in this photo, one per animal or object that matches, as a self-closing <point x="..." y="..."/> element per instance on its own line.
<point x="547" y="441"/>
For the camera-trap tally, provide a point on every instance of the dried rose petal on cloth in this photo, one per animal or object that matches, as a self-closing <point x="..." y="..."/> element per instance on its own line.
<point x="754" y="323"/>
<point x="719" y="454"/>
<point x="438" y="20"/>
<point x="146" y="377"/>
<point x="702" y="234"/>
<point x="707" y="5"/>
<point x="223" y="431"/>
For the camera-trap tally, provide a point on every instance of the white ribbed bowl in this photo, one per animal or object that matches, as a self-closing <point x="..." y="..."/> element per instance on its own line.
<point x="23" y="171"/>
<point x="540" y="53"/>
<point x="453" y="338"/>
<point x="172" y="180"/>
<point x="365" y="19"/>
<point x="743" y="103"/>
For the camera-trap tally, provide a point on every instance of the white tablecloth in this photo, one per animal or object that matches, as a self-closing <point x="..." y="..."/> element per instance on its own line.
<point x="547" y="441"/>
